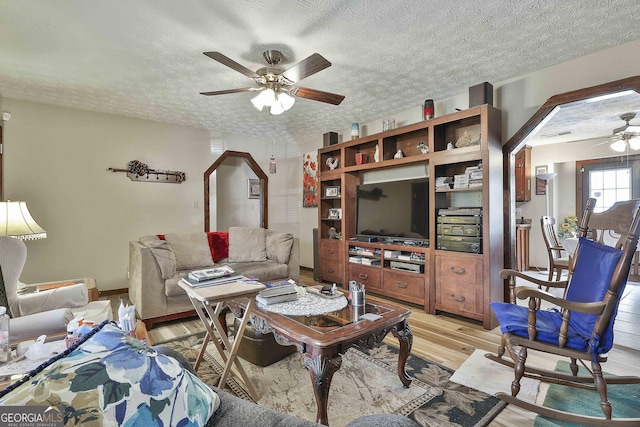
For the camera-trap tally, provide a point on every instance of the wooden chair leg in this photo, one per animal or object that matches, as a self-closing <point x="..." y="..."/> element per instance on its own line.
<point x="519" y="371"/>
<point x="573" y="365"/>
<point x="601" y="386"/>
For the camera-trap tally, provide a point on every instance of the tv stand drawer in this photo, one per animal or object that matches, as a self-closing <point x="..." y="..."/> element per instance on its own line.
<point x="370" y="276"/>
<point x="404" y="286"/>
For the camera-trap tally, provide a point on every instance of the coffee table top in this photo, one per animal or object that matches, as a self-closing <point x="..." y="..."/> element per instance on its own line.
<point x="337" y="327"/>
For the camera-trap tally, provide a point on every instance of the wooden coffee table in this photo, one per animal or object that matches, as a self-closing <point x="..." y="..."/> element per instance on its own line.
<point x="323" y="339"/>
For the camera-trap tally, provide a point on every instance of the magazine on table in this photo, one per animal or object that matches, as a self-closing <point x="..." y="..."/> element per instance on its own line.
<point x="275" y="299"/>
<point x="283" y="287"/>
<point x="213" y="282"/>
<point x="209" y="274"/>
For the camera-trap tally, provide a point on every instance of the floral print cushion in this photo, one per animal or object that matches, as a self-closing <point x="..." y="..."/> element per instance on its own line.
<point x="115" y="380"/>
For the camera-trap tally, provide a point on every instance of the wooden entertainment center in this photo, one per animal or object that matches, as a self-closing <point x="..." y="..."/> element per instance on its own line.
<point x="458" y="282"/>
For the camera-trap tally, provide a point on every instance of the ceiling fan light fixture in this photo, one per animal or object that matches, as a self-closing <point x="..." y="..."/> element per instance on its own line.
<point x="619" y="146"/>
<point x="286" y="100"/>
<point x="276" y="109"/>
<point x="634" y="142"/>
<point x="257" y="102"/>
<point x="265" y="98"/>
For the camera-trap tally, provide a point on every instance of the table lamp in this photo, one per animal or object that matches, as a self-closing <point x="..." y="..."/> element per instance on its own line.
<point x="16" y="221"/>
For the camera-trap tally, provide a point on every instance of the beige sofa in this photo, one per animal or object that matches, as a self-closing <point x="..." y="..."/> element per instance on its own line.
<point x="157" y="263"/>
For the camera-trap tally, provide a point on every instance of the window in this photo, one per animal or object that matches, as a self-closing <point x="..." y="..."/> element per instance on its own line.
<point x="608" y="186"/>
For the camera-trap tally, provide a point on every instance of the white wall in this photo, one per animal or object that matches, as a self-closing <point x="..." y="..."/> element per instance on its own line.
<point x="56" y="158"/>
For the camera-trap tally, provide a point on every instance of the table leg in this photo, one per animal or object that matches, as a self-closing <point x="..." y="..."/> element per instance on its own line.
<point x="403" y="333"/>
<point x="208" y="336"/>
<point x="321" y="368"/>
<point x="233" y="349"/>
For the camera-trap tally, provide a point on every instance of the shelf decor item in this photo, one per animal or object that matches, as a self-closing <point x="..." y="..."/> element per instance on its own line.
<point x="332" y="191"/>
<point x="361" y="158"/>
<point x="355" y="130"/>
<point x="335" y="213"/>
<point x="428" y="110"/>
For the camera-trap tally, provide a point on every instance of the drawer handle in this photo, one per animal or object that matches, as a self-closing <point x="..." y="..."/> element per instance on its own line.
<point x="363" y="276"/>
<point x="459" y="299"/>
<point x="330" y="251"/>
<point x="402" y="285"/>
<point x="460" y="271"/>
<point x="330" y="270"/>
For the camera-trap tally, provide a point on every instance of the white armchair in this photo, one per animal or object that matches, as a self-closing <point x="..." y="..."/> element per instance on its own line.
<point x="35" y="312"/>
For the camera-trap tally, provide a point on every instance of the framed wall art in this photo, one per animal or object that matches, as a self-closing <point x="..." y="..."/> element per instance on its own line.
<point x="541" y="184"/>
<point x="254" y="189"/>
<point x="309" y="179"/>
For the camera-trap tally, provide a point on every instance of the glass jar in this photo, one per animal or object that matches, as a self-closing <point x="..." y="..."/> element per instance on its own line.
<point x="5" y="348"/>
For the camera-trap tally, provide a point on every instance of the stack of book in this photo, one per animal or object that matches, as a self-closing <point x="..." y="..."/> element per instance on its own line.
<point x="443" y="183"/>
<point x="277" y="292"/>
<point x="370" y="261"/>
<point x="211" y="277"/>
<point x="355" y="259"/>
<point x="461" y="181"/>
<point x="474" y="173"/>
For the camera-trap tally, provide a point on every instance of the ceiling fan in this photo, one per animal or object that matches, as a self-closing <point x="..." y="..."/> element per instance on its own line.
<point x="277" y="86"/>
<point x="627" y="134"/>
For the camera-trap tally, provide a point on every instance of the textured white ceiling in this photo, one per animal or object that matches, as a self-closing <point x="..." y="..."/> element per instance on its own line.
<point x="144" y="58"/>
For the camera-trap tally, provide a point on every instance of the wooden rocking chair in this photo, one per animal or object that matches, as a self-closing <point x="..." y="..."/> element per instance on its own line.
<point x="581" y="328"/>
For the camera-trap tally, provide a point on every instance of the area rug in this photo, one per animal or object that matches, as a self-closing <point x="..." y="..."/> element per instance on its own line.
<point x="367" y="383"/>
<point x="488" y="376"/>
<point x="623" y="397"/>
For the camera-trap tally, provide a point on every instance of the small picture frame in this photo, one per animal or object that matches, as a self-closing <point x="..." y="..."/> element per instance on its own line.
<point x="335" y="213"/>
<point x="254" y="189"/>
<point x="541" y="184"/>
<point x="332" y="191"/>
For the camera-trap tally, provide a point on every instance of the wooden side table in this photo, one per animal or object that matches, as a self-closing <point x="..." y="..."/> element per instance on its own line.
<point x="522" y="246"/>
<point x="204" y="299"/>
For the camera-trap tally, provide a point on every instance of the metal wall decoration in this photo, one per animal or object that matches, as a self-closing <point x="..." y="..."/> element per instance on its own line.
<point x="138" y="171"/>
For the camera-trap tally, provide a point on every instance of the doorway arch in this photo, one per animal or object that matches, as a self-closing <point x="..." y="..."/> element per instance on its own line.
<point x="581" y="97"/>
<point x="253" y="165"/>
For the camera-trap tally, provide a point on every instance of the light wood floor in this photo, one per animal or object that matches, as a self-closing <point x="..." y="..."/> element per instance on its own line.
<point x="449" y="341"/>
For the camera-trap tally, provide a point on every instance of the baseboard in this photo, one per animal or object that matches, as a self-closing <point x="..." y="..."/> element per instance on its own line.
<point x="111" y="292"/>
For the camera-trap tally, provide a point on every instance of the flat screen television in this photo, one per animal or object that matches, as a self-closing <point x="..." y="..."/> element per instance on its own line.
<point x="395" y="210"/>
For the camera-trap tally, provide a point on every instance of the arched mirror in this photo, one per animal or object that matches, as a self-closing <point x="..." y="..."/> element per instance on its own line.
<point x="592" y="117"/>
<point x="241" y="191"/>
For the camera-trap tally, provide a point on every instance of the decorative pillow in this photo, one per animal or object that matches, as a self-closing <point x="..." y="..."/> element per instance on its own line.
<point x="113" y="379"/>
<point x="218" y="244"/>
<point x="279" y="246"/>
<point x="247" y="244"/>
<point x="191" y="250"/>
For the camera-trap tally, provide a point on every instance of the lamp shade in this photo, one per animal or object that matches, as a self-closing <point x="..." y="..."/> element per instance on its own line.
<point x="16" y="221"/>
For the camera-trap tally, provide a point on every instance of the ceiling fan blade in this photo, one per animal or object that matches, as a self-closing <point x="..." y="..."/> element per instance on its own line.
<point x="306" y="67"/>
<point x="224" y="92"/>
<point x="217" y="56"/>
<point x="317" y="95"/>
